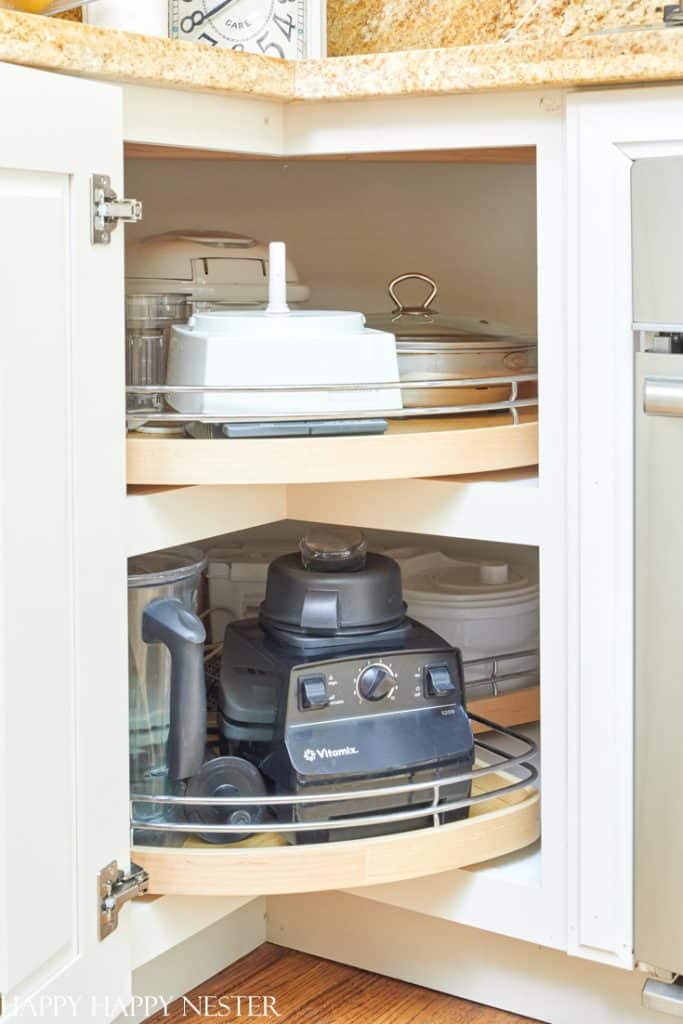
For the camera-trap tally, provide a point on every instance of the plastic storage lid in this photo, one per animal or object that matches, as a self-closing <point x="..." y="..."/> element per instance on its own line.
<point x="163" y="567"/>
<point x="417" y="324"/>
<point x="354" y="597"/>
<point x="440" y="579"/>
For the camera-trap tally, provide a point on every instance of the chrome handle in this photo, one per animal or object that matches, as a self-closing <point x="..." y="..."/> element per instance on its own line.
<point x="663" y="396"/>
<point x="424" y="308"/>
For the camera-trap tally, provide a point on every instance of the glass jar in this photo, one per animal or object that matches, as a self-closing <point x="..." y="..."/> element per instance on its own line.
<point x="149" y="319"/>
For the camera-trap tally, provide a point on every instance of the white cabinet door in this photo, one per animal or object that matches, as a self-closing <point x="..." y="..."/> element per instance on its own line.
<point x="63" y="671"/>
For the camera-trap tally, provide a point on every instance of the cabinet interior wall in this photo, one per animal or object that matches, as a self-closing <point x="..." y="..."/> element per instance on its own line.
<point x="353" y="225"/>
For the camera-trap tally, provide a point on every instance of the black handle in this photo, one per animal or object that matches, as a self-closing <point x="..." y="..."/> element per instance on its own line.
<point x="167" y="621"/>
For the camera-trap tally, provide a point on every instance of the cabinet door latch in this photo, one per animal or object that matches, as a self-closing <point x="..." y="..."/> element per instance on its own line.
<point x="108" y="211"/>
<point x="114" y="888"/>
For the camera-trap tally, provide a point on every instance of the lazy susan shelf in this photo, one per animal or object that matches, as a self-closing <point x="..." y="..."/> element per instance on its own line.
<point x="266" y="865"/>
<point x="437" y="446"/>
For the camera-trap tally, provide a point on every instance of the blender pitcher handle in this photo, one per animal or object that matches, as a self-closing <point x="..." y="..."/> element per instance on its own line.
<point x="167" y="621"/>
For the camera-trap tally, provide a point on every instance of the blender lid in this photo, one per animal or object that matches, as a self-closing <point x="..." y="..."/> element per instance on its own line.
<point x="355" y="593"/>
<point x="162" y="567"/>
<point x="422" y="323"/>
<point x="325" y="549"/>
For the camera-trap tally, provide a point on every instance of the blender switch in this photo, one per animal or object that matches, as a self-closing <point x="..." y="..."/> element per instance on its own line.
<point x="313" y="692"/>
<point x="438" y="682"/>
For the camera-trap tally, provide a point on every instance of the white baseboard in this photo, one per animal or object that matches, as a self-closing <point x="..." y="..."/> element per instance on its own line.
<point x="522" y="978"/>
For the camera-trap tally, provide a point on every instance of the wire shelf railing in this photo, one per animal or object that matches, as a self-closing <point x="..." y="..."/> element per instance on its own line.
<point x="435" y="807"/>
<point x="512" y="404"/>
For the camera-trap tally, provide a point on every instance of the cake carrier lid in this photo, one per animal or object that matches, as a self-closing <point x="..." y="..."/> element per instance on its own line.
<point x="421" y="325"/>
<point x="333" y="588"/>
<point x="207" y="265"/>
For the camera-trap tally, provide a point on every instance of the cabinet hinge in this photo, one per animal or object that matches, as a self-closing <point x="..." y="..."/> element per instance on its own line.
<point x="108" y="211"/>
<point x="114" y="888"/>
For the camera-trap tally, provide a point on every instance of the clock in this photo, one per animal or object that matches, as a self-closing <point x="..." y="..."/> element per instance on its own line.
<point x="288" y="29"/>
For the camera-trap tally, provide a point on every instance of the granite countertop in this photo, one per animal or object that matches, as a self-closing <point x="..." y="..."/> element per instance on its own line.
<point x="589" y="60"/>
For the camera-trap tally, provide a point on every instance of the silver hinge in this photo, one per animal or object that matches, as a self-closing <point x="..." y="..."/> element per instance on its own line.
<point x="114" y="888"/>
<point x="108" y="211"/>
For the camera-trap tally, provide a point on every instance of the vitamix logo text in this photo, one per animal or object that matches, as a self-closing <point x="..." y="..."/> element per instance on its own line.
<point x="324" y="753"/>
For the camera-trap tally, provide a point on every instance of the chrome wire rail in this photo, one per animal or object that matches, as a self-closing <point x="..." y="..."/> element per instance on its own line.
<point x="435" y="809"/>
<point x="511" y="404"/>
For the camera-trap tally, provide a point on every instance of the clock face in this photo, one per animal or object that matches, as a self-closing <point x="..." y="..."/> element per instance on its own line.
<point x="276" y="28"/>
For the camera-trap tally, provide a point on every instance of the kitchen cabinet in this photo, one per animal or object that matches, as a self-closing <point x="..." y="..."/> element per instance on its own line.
<point x="63" y="750"/>
<point x="565" y="894"/>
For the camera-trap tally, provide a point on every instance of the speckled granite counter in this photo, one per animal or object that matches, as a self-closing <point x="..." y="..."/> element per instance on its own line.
<point x="381" y="26"/>
<point x="647" y="56"/>
<point x="79" y="49"/>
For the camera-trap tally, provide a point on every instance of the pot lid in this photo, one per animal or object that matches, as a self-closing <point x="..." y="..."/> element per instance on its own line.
<point x="332" y="587"/>
<point x="422" y="323"/>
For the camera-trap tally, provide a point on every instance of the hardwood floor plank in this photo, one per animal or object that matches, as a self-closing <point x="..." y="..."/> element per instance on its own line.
<point x="305" y="989"/>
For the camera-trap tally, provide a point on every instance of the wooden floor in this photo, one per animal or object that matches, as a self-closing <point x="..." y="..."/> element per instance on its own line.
<point x="306" y="990"/>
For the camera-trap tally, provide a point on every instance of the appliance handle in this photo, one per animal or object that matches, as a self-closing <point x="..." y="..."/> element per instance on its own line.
<point x="167" y="621"/>
<point x="663" y="396"/>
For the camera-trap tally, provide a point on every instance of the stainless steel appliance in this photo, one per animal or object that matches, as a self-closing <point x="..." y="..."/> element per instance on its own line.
<point x="658" y="323"/>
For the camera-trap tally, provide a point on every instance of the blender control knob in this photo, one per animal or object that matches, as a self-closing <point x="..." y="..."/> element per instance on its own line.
<point x="376" y="682"/>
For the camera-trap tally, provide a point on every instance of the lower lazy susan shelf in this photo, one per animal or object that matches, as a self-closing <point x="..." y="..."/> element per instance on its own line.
<point x="267" y="865"/>
<point x="427" y="446"/>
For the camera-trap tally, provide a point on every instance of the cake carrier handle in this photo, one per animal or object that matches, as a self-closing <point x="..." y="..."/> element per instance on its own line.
<point x="167" y="621"/>
<point x="424" y="309"/>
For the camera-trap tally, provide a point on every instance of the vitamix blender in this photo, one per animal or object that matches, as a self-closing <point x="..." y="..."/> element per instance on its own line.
<point x="332" y="689"/>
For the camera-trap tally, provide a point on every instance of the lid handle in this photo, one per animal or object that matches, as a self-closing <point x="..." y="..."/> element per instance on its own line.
<point x="424" y="309"/>
<point x="277" y="280"/>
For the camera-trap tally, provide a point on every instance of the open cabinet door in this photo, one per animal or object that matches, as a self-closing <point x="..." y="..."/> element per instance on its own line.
<point x="63" y="671"/>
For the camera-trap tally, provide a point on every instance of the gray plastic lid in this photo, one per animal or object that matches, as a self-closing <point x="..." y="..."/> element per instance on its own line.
<point x="333" y="588"/>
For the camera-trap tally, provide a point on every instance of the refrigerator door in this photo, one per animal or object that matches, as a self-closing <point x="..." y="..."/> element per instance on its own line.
<point x="659" y="660"/>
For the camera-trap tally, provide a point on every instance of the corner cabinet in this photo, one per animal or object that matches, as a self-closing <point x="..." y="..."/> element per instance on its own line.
<point x="68" y="525"/>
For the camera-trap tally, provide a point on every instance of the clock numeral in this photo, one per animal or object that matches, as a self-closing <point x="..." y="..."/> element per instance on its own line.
<point x="286" y="25"/>
<point x="265" y="46"/>
<point x="238" y="46"/>
<point x="192" y="21"/>
<point x="209" y="39"/>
